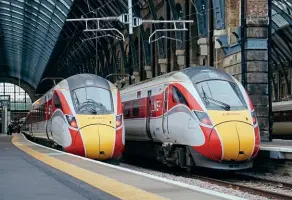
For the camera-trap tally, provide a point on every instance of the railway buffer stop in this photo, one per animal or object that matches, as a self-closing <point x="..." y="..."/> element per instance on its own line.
<point x="142" y="39"/>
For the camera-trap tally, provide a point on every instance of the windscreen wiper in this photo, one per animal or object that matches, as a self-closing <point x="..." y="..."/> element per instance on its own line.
<point x="206" y="98"/>
<point x="93" y="110"/>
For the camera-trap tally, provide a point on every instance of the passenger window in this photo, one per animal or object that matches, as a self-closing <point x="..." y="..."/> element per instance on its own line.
<point x="57" y="102"/>
<point x="286" y="116"/>
<point x="127" y="110"/>
<point x="135" y="109"/>
<point x="177" y="96"/>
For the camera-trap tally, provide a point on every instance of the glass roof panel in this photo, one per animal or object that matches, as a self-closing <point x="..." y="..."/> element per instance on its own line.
<point x="282" y="18"/>
<point x="30" y="30"/>
<point x="279" y="20"/>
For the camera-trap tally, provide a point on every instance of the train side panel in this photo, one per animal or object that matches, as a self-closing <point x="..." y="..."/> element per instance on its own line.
<point x="282" y="120"/>
<point x="168" y="121"/>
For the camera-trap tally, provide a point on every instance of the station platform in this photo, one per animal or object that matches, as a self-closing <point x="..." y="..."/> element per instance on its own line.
<point x="31" y="171"/>
<point x="275" y="158"/>
<point x="277" y="149"/>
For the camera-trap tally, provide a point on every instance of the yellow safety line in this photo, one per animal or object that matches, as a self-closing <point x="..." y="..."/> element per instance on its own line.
<point x="108" y="185"/>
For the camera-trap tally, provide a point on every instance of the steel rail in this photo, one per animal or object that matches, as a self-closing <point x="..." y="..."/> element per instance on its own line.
<point x="237" y="186"/>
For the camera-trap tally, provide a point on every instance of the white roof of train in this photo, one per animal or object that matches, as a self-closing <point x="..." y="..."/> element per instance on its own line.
<point x="282" y="106"/>
<point x="176" y="76"/>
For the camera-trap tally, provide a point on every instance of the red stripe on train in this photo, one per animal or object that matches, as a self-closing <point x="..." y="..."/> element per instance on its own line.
<point x="137" y="108"/>
<point x="211" y="148"/>
<point x="257" y="141"/>
<point x="119" y="147"/>
<point x="65" y="107"/>
<point x="193" y="103"/>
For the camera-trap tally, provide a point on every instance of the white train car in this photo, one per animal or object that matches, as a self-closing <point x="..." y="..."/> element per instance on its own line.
<point x="282" y="119"/>
<point x="199" y="116"/>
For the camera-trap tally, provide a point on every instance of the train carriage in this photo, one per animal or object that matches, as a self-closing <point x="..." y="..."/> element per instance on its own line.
<point x="83" y="115"/>
<point x="282" y="119"/>
<point x="200" y="116"/>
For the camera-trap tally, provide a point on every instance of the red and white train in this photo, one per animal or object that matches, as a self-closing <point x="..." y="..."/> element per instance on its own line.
<point x="199" y="116"/>
<point x="83" y="115"/>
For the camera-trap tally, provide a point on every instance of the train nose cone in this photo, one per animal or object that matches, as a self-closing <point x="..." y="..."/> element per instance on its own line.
<point x="237" y="140"/>
<point x="98" y="141"/>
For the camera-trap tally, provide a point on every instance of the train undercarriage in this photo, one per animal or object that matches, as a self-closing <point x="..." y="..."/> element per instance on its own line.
<point x="180" y="156"/>
<point x="168" y="154"/>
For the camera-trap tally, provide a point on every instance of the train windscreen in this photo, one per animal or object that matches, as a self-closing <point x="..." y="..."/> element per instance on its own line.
<point x="92" y="101"/>
<point x="221" y="95"/>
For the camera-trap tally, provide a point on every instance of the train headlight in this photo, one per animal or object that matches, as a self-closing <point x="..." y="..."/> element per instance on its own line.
<point x="204" y="118"/>
<point x="72" y="121"/>
<point x="119" y="120"/>
<point x="254" y="119"/>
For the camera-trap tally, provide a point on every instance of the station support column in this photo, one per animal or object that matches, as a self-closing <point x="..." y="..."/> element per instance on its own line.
<point x="246" y="47"/>
<point x="254" y="59"/>
<point x="4" y="120"/>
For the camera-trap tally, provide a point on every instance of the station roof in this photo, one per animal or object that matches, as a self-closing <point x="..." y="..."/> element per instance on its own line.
<point x="32" y="31"/>
<point x="282" y="32"/>
<point x="29" y="32"/>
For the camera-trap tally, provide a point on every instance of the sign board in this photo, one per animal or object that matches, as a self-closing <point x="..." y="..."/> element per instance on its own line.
<point x="5" y="97"/>
<point x="5" y="101"/>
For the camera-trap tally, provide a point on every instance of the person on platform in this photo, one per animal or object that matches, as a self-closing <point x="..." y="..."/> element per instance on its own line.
<point x="9" y="132"/>
<point x="18" y="128"/>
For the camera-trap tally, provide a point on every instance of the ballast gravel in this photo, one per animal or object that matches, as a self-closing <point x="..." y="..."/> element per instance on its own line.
<point x="269" y="176"/>
<point x="195" y="182"/>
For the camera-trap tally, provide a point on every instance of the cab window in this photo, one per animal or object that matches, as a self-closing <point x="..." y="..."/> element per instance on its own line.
<point x="92" y="101"/>
<point x="57" y="102"/>
<point x="178" y="97"/>
<point x="217" y="93"/>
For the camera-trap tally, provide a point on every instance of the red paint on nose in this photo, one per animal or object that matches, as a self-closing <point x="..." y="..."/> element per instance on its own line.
<point x="212" y="146"/>
<point x="215" y="145"/>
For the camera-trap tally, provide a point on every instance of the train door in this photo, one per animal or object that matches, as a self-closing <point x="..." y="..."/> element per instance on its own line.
<point x="164" y="113"/>
<point x="148" y="114"/>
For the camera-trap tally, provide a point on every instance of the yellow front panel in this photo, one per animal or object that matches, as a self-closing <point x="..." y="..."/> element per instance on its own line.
<point x="91" y="141"/>
<point x="107" y="141"/>
<point x="236" y="133"/>
<point x="247" y="140"/>
<point x="98" y="135"/>
<point x="219" y="116"/>
<point x="229" y="140"/>
<point x="85" y="120"/>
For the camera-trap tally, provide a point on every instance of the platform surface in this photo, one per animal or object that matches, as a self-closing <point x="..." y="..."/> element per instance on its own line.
<point x="31" y="171"/>
<point x="277" y="145"/>
<point x="23" y="177"/>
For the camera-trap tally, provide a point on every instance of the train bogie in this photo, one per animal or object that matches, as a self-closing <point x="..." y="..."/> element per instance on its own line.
<point x="188" y="121"/>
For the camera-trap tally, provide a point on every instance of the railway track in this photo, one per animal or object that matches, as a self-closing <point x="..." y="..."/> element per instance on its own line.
<point x="258" y="186"/>
<point x="270" y="189"/>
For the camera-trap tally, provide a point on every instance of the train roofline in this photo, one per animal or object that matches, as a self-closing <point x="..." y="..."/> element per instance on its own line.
<point x="282" y="106"/>
<point x="72" y="79"/>
<point x="171" y="77"/>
